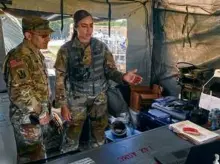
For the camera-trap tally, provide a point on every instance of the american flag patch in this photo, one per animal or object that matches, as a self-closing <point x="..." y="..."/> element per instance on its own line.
<point x="15" y="63"/>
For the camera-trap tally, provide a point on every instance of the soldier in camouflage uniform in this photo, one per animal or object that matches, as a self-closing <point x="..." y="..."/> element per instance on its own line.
<point x="83" y="66"/>
<point x="27" y="81"/>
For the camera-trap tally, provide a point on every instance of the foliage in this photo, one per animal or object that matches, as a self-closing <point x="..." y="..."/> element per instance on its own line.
<point x="56" y="26"/>
<point x="122" y="23"/>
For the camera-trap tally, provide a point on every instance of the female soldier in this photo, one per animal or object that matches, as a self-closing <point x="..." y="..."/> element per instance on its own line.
<point x="83" y="66"/>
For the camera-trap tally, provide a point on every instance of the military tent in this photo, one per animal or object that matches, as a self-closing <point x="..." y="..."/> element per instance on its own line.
<point x="160" y="32"/>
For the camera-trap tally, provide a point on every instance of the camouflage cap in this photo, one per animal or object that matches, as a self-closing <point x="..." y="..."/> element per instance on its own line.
<point x="37" y="24"/>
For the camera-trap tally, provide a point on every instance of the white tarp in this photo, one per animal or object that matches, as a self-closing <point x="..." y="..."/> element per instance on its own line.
<point x="12" y="32"/>
<point x="11" y="36"/>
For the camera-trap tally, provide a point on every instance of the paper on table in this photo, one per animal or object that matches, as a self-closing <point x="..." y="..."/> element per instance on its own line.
<point x="209" y="102"/>
<point x="205" y="135"/>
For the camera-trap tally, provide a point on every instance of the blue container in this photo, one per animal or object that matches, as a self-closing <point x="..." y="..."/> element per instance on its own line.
<point x="153" y="118"/>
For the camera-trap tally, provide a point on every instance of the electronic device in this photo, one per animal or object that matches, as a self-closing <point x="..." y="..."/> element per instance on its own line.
<point x="204" y="153"/>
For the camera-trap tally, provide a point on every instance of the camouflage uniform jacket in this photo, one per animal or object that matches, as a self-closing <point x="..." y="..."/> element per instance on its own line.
<point x="61" y="65"/>
<point x="26" y="78"/>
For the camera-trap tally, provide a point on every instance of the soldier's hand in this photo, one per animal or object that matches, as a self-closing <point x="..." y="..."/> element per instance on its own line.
<point x="132" y="78"/>
<point x="65" y="113"/>
<point x="44" y="119"/>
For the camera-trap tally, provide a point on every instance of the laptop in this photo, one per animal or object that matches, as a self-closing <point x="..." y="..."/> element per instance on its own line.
<point x="198" y="154"/>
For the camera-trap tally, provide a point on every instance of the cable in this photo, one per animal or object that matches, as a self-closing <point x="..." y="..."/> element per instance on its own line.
<point x="114" y="3"/>
<point x="109" y="17"/>
<point x="61" y="11"/>
<point x="187" y="63"/>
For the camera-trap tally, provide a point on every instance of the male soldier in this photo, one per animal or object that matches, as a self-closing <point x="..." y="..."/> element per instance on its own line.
<point x="83" y="67"/>
<point x="27" y="81"/>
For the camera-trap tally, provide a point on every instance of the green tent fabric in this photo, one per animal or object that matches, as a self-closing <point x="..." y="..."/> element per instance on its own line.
<point x="157" y="39"/>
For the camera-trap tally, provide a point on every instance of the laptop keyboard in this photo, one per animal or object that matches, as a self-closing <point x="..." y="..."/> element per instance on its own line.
<point x="181" y="153"/>
<point x="181" y="156"/>
<point x="175" y="157"/>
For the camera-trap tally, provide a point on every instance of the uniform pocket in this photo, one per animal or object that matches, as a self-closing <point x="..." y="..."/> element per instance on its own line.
<point x="31" y="134"/>
<point x="98" y="109"/>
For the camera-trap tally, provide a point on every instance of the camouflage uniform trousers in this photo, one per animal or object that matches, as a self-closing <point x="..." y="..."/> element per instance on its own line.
<point x="81" y="108"/>
<point x="31" y="139"/>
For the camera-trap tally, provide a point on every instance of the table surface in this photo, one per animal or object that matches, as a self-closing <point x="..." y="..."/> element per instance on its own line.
<point x="138" y="149"/>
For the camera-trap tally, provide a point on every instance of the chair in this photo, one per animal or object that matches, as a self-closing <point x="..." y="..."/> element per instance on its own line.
<point x="143" y="96"/>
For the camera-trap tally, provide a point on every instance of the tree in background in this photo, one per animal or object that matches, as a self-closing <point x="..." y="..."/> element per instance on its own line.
<point x="64" y="35"/>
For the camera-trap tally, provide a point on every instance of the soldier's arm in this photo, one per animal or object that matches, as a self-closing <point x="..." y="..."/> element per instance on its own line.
<point x="60" y="66"/>
<point x="21" y="86"/>
<point x="110" y="68"/>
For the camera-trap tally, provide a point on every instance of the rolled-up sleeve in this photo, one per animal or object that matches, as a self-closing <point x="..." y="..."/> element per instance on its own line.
<point x="60" y="66"/>
<point x="110" y="67"/>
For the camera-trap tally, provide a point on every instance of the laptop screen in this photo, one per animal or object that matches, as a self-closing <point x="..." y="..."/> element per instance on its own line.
<point x="204" y="153"/>
<point x="199" y="154"/>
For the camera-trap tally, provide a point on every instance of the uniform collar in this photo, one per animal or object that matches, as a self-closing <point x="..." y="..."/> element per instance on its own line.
<point x="30" y="46"/>
<point x="77" y="43"/>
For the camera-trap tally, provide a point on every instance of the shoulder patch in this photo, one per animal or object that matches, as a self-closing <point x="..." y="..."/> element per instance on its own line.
<point x="15" y="63"/>
<point x="21" y="73"/>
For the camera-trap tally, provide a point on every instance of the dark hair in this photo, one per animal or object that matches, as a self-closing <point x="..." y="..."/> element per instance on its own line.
<point x="78" y="16"/>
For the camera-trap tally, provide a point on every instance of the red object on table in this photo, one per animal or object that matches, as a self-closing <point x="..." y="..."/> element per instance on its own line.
<point x="191" y="130"/>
